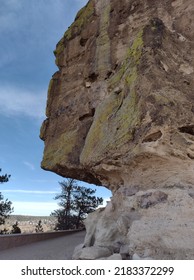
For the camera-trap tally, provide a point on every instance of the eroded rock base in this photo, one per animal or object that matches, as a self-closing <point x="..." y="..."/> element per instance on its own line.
<point x="151" y="224"/>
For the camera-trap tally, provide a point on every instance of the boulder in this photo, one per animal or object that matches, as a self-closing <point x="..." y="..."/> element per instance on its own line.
<point x="92" y="253"/>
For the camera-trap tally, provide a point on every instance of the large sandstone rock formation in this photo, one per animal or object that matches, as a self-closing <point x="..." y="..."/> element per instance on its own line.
<point x="120" y="113"/>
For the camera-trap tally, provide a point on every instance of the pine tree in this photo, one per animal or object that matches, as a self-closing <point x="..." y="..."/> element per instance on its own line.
<point x="75" y="203"/>
<point x="39" y="227"/>
<point x="65" y="213"/>
<point x="4" y="178"/>
<point x="5" y="206"/>
<point x="86" y="203"/>
<point x="15" y="229"/>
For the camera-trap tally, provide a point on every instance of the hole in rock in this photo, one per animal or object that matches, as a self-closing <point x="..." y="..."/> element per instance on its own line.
<point x="153" y="137"/>
<point x="189" y="129"/>
<point x="116" y="65"/>
<point x="186" y="82"/>
<point x="88" y="115"/>
<point x="93" y="77"/>
<point x="83" y="42"/>
<point x="190" y="156"/>
<point x="157" y="23"/>
<point x="108" y="75"/>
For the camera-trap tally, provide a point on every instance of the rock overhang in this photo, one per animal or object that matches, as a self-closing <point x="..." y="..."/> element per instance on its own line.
<point x="114" y="103"/>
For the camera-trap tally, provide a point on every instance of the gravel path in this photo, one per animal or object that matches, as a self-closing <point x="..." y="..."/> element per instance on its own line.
<point x="60" y="248"/>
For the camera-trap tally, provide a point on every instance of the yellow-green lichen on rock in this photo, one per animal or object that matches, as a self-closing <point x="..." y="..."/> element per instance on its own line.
<point x="135" y="51"/>
<point x="102" y="60"/>
<point x="117" y="117"/>
<point x="113" y="126"/>
<point x="128" y="68"/>
<point x="49" y="96"/>
<point x="81" y="19"/>
<point x="58" y="52"/>
<point x="60" y="149"/>
<point x="59" y="48"/>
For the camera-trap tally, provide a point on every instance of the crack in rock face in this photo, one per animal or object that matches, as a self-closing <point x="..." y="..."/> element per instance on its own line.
<point x="120" y="114"/>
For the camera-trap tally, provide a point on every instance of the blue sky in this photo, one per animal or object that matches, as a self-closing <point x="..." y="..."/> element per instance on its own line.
<point x="29" y="32"/>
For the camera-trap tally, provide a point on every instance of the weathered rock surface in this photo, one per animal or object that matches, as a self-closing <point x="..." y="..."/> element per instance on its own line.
<point x="160" y="230"/>
<point x="120" y="113"/>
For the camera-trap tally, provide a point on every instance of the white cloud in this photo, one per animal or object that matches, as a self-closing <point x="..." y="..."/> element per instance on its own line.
<point x="29" y="165"/>
<point x="15" y="102"/>
<point x="38" y="208"/>
<point x="34" y="208"/>
<point x="27" y="191"/>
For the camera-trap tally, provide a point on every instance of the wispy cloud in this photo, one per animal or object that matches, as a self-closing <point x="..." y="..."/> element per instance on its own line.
<point x="36" y="208"/>
<point x="29" y="165"/>
<point x="15" y="101"/>
<point x="28" y="191"/>
<point x="9" y="14"/>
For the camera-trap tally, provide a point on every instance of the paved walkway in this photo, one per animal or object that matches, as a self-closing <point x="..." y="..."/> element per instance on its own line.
<point x="60" y="248"/>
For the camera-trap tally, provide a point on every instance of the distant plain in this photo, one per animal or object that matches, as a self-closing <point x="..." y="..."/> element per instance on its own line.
<point x="27" y="224"/>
